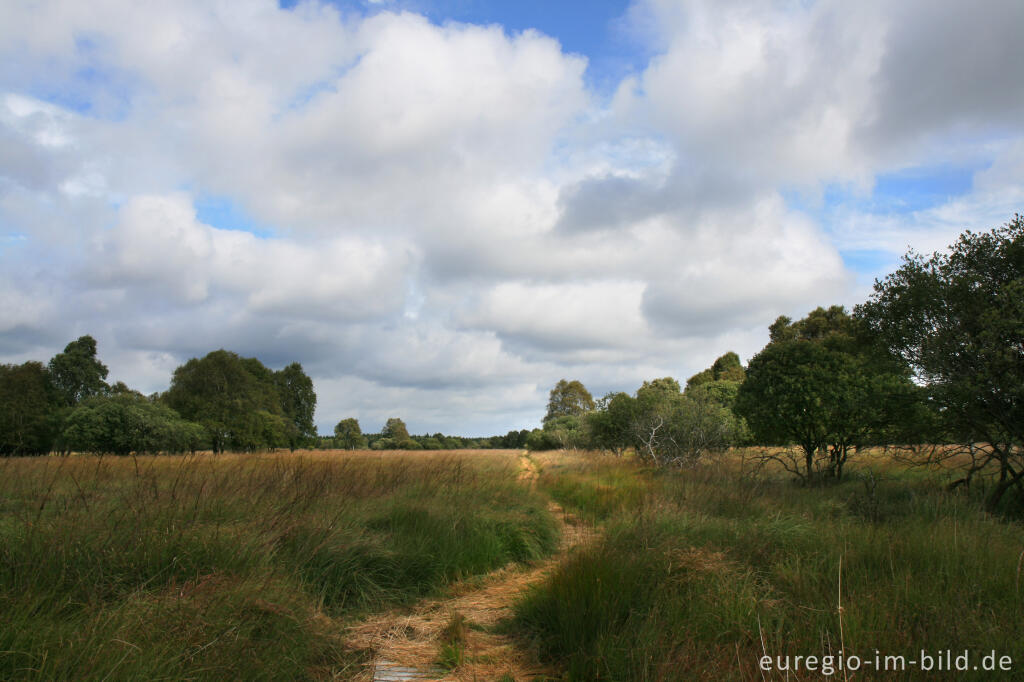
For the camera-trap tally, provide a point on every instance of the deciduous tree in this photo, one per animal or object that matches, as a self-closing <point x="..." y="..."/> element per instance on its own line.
<point x="28" y="409"/>
<point x="128" y="423"/>
<point x="568" y="399"/>
<point x="235" y="399"/>
<point x="348" y="435"/>
<point x="818" y="385"/>
<point x="957" y="319"/>
<point x="725" y="368"/>
<point x="395" y="429"/>
<point x="77" y="373"/>
<point x="298" y="401"/>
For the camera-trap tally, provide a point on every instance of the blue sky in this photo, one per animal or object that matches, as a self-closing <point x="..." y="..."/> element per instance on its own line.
<point x="440" y="220"/>
<point x="601" y="29"/>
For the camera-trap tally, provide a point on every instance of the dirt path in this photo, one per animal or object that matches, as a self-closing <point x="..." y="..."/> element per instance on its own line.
<point x="408" y="645"/>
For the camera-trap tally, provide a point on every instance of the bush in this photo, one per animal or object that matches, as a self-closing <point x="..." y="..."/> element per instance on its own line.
<point x="128" y="422"/>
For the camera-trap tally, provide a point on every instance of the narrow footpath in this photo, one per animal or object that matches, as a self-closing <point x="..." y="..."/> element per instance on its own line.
<point x="408" y="645"/>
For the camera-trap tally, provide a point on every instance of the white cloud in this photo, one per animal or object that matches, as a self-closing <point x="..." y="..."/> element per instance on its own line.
<point x="159" y="244"/>
<point x="580" y="316"/>
<point x="456" y="221"/>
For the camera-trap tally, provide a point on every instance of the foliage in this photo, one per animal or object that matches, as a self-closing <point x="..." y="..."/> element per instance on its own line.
<point x="664" y="426"/>
<point x="28" y="409"/>
<point x="539" y="440"/>
<point x="128" y="423"/>
<point x="725" y="368"/>
<point x="957" y="319"/>
<point x="236" y="400"/>
<point x="672" y="428"/>
<point x="721" y="383"/>
<point x="819" y="386"/>
<point x="395" y="429"/>
<point x="77" y="373"/>
<point x="298" y="402"/>
<point x="564" y="431"/>
<point x="512" y="439"/>
<point x="820" y="324"/>
<point x="722" y="391"/>
<point x="348" y="435"/>
<point x="609" y="425"/>
<point x="568" y="399"/>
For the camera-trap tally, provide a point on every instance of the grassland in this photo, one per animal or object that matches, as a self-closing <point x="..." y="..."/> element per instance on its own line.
<point x="701" y="573"/>
<point x="239" y="567"/>
<point x="255" y="566"/>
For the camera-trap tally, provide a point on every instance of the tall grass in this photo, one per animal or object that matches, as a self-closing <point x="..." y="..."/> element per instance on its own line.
<point x="212" y="567"/>
<point x="708" y="571"/>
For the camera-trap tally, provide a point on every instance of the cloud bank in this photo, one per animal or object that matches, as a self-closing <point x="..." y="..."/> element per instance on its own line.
<point x="441" y="221"/>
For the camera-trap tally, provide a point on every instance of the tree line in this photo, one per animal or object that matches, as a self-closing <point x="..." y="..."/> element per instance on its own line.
<point x="395" y="436"/>
<point x="218" y="402"/>
<point x="931" y="365"/>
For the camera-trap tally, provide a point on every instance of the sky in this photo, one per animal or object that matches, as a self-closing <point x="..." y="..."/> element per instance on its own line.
<point x="442" y="207"/>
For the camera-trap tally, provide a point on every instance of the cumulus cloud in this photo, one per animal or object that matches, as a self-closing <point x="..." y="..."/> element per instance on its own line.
<point x="741" y="267"/>
<point x="159" y="244"/>
<point x="453" y="220"/>
<point x="578" y="316"/>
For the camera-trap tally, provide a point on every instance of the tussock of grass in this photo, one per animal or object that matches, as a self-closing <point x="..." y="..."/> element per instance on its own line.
<point x="713" y="571"/>
<point x="597" y="489"/>
<point x="214" y="567"/>
<point x="453" y="643"/>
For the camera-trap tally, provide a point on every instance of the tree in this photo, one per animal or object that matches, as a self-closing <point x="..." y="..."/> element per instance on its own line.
<point x="235" y="399"/>
<point x="725" y="368"/>
<point x="29" y="406"/>
<point x="568" y="398"/>
<point x="820" y="324"/>
<point x="609" y="426"/>
<point x="957" y="319"/>
<point x="77" y="373"/>
<point x="670" y="428"/>
<point x="564" y="431"/>
<point x="818" y="385"/>
<point x="348" y="435"/>
<point x="539" y="440"/>
<point x="395" y="429"/>
<point x="128" y="423"/>
<point x="298" y="401"/>
<point x="664" y="426"/>
<point x="513" y="439"/>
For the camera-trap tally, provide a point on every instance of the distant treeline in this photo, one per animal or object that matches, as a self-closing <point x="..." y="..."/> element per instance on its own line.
<point x="395" y="436"/>
<point x="219" y="402"/>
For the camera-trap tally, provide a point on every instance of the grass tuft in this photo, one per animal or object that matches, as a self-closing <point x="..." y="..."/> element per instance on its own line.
<point x="243" y="567"/>
<point x="711" y="571"/>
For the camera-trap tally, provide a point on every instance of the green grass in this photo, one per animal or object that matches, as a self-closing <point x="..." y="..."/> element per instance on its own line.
<point x="711" y="570"/>
<point x="241" y="567"/>
<point x="596" y="489"/>
<point x="249" y="567"/>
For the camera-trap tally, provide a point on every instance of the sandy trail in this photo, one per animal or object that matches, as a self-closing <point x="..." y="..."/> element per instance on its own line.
<point x="406" y="645"/>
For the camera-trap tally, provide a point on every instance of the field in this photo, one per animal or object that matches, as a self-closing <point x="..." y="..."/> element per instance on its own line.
<point x="239" y="566"/>
<point x="303" y="566"/>
<point x="702" y="573"/>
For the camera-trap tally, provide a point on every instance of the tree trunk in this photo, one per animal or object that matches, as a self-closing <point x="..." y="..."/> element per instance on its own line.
<point x="809" y="460"/>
